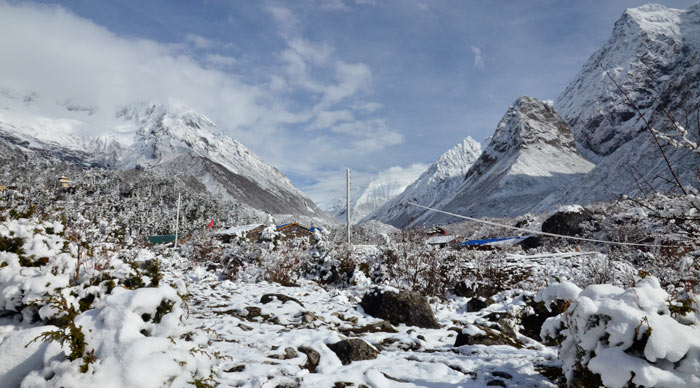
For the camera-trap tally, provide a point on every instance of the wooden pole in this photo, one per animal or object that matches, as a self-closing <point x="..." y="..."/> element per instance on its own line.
<point x="347" y="211"/>
<point x="177" y="219"/>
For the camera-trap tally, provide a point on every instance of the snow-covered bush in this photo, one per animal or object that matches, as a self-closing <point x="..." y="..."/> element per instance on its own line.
<point x="102" y="325"/>
<point x="640" y="336"/>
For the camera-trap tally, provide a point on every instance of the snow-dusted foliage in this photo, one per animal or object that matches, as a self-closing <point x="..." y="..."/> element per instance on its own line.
<point x="104" y="318"/>
<point x="640" y="336"/>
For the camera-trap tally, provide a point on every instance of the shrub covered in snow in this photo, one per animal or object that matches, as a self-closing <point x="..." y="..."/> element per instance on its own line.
<point x="100" y="325"/>
<point x="640" y="336"/>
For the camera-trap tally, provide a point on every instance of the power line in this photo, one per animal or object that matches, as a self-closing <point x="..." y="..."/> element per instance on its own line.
<point x="542" y="233"/>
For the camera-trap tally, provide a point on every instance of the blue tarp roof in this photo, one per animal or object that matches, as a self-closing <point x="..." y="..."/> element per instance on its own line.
<point x="488" y="241"/>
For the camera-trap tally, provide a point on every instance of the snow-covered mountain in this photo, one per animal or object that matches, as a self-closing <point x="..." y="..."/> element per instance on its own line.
<point x="436" y="183"/>
<point x="384" y="187"/>
<point x="654" y="54"/>
<point x="531" y="163"/>
<point x="531" y="152"/>
<point x="170" y="137"/>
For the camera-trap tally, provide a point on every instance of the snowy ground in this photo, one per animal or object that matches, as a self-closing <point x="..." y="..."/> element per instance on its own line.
<point x="411" y="357"/>
<point x="81" y="312"/>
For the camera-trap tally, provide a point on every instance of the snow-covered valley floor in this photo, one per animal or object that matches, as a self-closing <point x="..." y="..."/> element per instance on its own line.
<point x="261" y="347"/>
<point x="83" y="308"/>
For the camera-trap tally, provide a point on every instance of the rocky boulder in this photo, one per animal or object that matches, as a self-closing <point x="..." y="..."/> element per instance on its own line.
<point x="312" y="358"/>
<point x="567" y="222"/>
<point x="536" y="313"/>
<point x="353" y="349"/>
<point x="407" y="307"/>
<point x="267" y="298"/>
<point x="478" y="304"/>
<point x="481" y="335"/>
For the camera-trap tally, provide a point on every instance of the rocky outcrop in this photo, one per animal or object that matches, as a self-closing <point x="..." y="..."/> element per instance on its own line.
<point x="267" y="298"/>
<point x="312" y="358"/>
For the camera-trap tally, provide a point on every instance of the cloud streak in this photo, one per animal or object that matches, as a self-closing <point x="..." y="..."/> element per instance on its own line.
<point x="478" y="58"/>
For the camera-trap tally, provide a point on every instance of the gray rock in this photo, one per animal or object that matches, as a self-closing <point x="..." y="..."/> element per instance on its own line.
<point x="407" y="307"/>
<point x="312" y="358"/>
<point x="353" y="349"/>
<point x="267" y="298"/>
<point x="501" y="374"/>
<point x="478" y="304"/>
<point x="379" y="327"/>
<point x="491" y="337"/>
<point x="567" y="222"/>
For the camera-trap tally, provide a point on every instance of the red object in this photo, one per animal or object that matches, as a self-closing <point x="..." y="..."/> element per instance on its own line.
<point x="211" y="223"/>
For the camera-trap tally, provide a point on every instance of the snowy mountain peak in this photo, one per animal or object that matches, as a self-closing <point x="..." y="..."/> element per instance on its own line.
<point x="456" y="160"/>
<point x="531" y="153"/>
<point x="170" y="137"/>
<point x="154" y="116"/>
<point x="529" y="121"/>
<point x="654" y="54"/>
<point x="647" y="45"/>
<point x="653" y="18"/>
<point x="437" y="182"/>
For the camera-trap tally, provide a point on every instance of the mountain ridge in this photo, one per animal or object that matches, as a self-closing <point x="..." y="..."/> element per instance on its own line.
<point x="171" y="138"/>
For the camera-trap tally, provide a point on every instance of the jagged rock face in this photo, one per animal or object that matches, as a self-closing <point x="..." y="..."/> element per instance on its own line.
<point x="436" y="183"/>
<point x="531" y="154"/>
<point x="654" y="53"/>
<point x="648" y="46"/>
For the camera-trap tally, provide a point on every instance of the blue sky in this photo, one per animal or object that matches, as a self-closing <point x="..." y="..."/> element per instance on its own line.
<point x="315" y="86"/>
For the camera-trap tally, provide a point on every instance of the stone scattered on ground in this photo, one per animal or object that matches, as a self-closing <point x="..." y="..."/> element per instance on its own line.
<point x="353" y="349"/>
<point x="267" y="298"/>
<point x="312" y="358"/>
<point x="482" y="335"/>
<point x="379" y="327"/>
<point x="407" y="307"/>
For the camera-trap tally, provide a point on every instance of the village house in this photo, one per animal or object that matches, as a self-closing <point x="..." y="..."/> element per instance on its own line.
<point x="296" y="230"/>
<point x="64" y="181"/>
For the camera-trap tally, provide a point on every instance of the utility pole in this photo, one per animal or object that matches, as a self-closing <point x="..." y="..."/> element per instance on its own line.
<point x="347" y="209"/>
<point x="177" y="218"/>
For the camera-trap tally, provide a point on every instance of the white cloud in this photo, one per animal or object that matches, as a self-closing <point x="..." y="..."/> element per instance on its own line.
<point x="334" y="5"/>
<point x="63" y="57"/>
<point x="219" y="60"/>
<point x="368" y="107"/>
<point x="326" y="119"/>
<point x="478" y="58"/>
<point x="369" y="135"/>
<point x="366" y="2"/>
<point x="199" y="42"/>
<point x="286" y="20"/>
